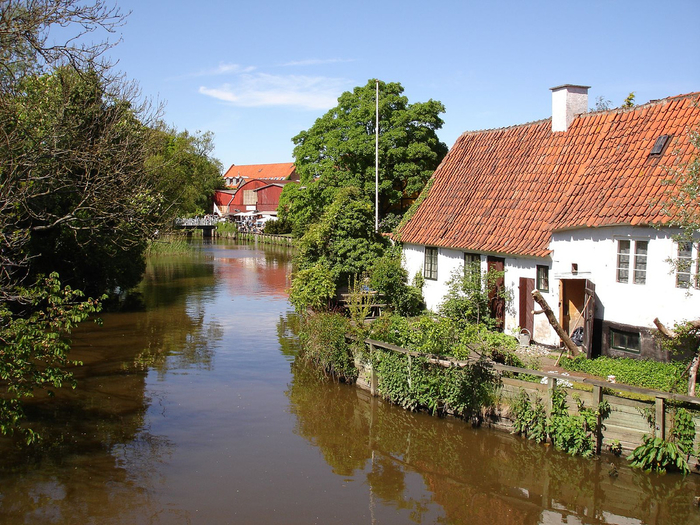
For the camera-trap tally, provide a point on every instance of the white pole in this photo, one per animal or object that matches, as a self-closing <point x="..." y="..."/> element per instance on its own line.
<point x="376" y="164"/>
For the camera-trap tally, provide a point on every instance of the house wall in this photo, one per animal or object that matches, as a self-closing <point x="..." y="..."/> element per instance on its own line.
<point x="451" y="260"/>
<point x="626" y="307"/>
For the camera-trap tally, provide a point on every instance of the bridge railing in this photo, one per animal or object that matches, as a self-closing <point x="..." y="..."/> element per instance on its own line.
<point x="194" y="222"/>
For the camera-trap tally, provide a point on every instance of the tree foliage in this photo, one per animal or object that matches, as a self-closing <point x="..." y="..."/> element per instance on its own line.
<point x="343" y="238"/>
<point x="184" y="172"/>
<point x="34" y="346"/>
<point x="87" y="174"/>
<point x="339" y="151"/>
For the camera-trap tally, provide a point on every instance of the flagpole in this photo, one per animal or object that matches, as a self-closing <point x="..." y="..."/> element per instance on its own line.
<point x="376" y="163"/>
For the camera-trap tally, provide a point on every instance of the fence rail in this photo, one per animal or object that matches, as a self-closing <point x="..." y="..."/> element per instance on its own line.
<point x="627" y="423"/>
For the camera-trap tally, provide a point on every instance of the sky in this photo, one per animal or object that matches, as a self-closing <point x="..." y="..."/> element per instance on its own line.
<point x="257" y="73"/>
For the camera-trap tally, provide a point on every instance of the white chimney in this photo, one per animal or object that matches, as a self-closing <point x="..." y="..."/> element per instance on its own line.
<point x="567" y="102"/>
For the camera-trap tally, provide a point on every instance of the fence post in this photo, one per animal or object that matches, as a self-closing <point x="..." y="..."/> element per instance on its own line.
<point x="373" y="372"/>
<point x="551" y="385"/>
<point x="660" y="425"/>
<point x="597" y="399"/>
<point x="409" y="372"/>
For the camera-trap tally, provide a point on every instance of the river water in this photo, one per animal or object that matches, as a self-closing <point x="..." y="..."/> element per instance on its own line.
<point x="191" y="410"/>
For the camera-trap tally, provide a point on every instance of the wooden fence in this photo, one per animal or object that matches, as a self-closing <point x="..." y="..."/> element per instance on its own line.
<point x="629" y="418"/>
<point x="265" y="238"/>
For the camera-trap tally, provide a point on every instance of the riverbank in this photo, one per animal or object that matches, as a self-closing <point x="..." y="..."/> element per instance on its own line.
<point x="632" y="412"/>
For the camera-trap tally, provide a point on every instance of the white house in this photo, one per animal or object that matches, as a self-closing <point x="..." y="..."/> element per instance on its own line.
<point x="575" y="206"/>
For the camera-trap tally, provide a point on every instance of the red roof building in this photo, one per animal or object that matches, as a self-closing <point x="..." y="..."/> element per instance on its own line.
<point x="576" y="206"/>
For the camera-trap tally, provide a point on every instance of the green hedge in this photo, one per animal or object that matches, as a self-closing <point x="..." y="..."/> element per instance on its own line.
<point x="646" y="374"/>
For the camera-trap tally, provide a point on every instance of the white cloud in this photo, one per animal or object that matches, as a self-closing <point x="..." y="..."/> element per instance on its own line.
<point x="222" y="69"/>
<point x="261" y="89"/>
<point x="317" y="61"/>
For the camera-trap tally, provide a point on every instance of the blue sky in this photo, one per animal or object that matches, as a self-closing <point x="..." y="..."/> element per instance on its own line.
<point x="258" y="73"/>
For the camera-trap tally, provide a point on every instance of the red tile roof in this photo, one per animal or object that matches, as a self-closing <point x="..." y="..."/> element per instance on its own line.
<point x="283" y="171"/>
<point x="506" y="190"/>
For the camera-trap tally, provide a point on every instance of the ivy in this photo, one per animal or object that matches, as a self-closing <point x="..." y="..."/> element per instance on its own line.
<point x="416" y="384"/>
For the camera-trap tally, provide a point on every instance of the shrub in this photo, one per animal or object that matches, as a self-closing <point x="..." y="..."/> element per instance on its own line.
<point x="571" y="433"/>
<point x="323" y="343"/>
<point x="416" y="384"/>
<point x="312" y="288"/>
<point x="279" y="227"/>
<point x="658" y="455"/>
<point x="388" y="277"/>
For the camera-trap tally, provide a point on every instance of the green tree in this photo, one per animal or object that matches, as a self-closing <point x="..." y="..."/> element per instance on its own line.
<point x="75" y="190"/>
<point x="185" y="174"/>
<point x="82" y="186"/>
<point x="340" y="245"/>
<point x="339" y="151"/>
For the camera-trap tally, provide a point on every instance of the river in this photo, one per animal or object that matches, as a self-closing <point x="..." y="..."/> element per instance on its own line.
<point x="190" y="409"/>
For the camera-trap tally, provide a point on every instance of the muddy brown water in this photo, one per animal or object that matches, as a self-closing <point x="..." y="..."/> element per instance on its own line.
<point x="191" y="410"/>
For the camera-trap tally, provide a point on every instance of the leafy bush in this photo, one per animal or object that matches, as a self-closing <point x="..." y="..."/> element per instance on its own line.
<point x="574" y="434"/>
<point x="659" y="455"/>
<point x="444" y="336"/>
<point x="530" y="418"/>
<point x="646" y="374"/>
<point x="571" y="433"/>
<point x="278" y="227"/>
<point x="323" y="343"/>
<point x="416" y="384"/>
<point x="388" y="277"/>
<point x="467" y="300"/>
<point x="312" y="288"/>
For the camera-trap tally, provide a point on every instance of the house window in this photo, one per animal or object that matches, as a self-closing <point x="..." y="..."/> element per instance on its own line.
<point x="430" y="264"/>
<point x="684" y="268"/>
<point x="625" y="249"/>
<point x="640" y="262"/>
<point x="625" y="341"/>
<point x="472" y="266"/>
<point x="543" y="278"/>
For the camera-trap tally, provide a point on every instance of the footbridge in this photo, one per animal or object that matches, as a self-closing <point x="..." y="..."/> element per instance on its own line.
<point x="206" y="224"/>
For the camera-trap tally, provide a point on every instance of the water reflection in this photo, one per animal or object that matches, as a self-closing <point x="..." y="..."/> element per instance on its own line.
<point x="477" y="476"/>
<point x="187" y="411"/>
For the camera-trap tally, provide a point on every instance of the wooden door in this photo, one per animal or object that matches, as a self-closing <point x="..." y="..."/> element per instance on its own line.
<point x="526" y="304"/>
<point x="497" y="303"/>
<point x="588" y="318"/>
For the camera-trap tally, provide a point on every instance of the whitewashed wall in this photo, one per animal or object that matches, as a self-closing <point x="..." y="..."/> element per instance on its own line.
<point x="595" y="253"/>
<point x="450" y="260"/>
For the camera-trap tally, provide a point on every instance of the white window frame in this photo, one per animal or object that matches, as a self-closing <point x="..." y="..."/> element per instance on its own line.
<point x="430" y="263"/>
<point x="688" y="266"/>
<point x="472" y="265"/>
<point x="631" y="265"/>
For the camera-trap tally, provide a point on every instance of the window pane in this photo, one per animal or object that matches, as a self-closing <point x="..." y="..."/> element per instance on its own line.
<point x="623" y="261"/>
<point x="640" y="262"/>
<point x="543" y="278"/>
<point x="430" y="263"/>
<point x="627" y="341"/>
<point x="685" y="261"/>
<point x="472" y="265"/>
